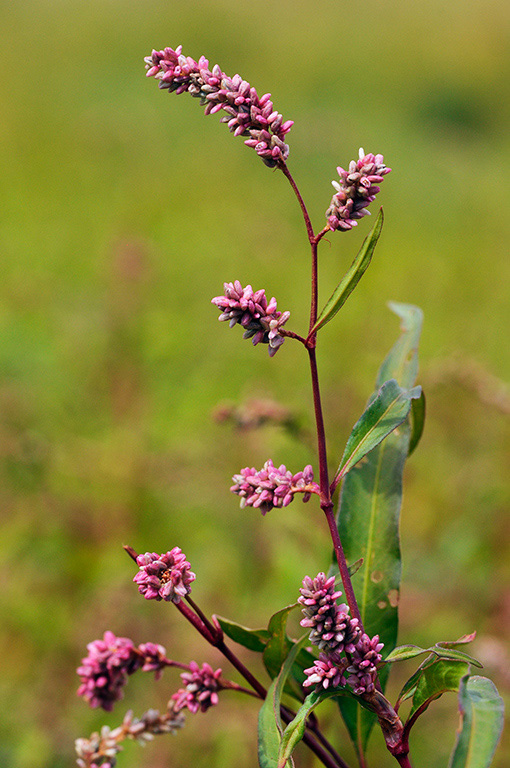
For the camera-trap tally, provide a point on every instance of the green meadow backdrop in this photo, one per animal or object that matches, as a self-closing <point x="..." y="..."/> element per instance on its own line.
<point x="123" y="210"/>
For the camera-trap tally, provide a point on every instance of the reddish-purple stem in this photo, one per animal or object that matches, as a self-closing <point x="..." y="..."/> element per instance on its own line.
<point x="214" y="635"/>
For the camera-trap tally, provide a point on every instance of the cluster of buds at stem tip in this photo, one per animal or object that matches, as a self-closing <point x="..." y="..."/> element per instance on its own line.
<point x="104" y="671"/>
<point x="272" y="486"/>
<point x="101" y="749"/>
<point x="164" y="577"/>
<point x="247" y="114"/>
<point x="356" y="189"/>
<point x="348" y="656"/>
<point x="259" y="318"/>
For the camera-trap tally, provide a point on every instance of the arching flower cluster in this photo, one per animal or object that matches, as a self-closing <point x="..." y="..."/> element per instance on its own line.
<point x="272" y="486"/>
<point x="104" y="671"/>
<point x="164" y="577"/>
<point x="355" y="191"/>
<point x="348" y="656"/>
<point x="250" y="309"/>
<point x="247" y="114"/>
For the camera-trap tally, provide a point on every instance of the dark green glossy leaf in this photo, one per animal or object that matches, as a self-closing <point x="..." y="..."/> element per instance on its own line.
<point x="417" y="419"/>
<point x="386" y="412"/>
<point x="437" y="678"/>
<point x="253" y="639"/>
<point x="368" y="518"/>
<point x="270" y="725"/>
<point x="481" y="722"/>
<point x="352" y="276"/>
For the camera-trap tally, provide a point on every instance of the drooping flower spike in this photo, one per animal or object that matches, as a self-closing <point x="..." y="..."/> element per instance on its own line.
<point x="272" y="486"/>
<point x="356" y="189"/>
<point x="247" y="114"/>
<point x="250" y="309"/>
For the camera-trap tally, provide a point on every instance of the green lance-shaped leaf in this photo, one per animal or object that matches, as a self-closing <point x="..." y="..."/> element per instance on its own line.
<point x="404" y="652"/>
<point x="253" y="639"/>
<point x="481" y="722"/>
<point x="295" y="730"/>
<point x="388" y="409"/>
<point x="270" y="725"/>
<point x="352" y="277"/>
<point x="368" y="518"/>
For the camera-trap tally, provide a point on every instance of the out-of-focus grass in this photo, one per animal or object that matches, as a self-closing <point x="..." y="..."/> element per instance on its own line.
<point x="123" y="211"/>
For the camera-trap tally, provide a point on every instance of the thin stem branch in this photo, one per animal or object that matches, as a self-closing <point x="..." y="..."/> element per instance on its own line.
<point x="292" y="335"/>
<point x="214" y="630"/>
<point x="326" y="503"/>
<point x="308" y="223"/>
<point x="197" y="622"/>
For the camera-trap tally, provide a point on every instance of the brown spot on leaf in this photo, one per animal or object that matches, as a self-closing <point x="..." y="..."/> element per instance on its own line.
<point x="382" y="604"/>
<point x="393" y="597"/>
<point x="376" y="576"/>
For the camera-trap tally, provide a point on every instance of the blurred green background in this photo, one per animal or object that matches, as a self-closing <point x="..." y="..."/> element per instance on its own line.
<point x="123" y="210"/>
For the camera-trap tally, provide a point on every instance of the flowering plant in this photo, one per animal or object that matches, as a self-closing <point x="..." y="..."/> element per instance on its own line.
<point x="347" y="649"/>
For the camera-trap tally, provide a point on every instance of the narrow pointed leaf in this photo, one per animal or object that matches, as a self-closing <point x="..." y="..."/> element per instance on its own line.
<point x="384" y="414"/>
<point x="295" y="730"/>
<point x="270" y="725"/>
<point x="461" y="641"/>
<point x="403" y="652"/>
<point x="269" y="733"/>
<point x="352" y="276"/>
<point x="253" y="639"/>
<point x="481" y="722"/>
<point x="417" y="419"/>
<point x="454" y="654"/>
<point x="368" y="519"/>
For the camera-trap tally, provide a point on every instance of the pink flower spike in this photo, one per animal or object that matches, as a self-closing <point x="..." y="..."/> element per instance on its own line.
<point x="356" y="189"/>
<point x="261" y="320"/>
<point x="271" y="486"/>
<point x="248" y="114"/>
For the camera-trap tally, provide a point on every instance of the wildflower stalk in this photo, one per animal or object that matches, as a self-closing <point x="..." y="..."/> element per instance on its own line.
<point x="213" y="634"/>
<point x="310" y="343"/>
